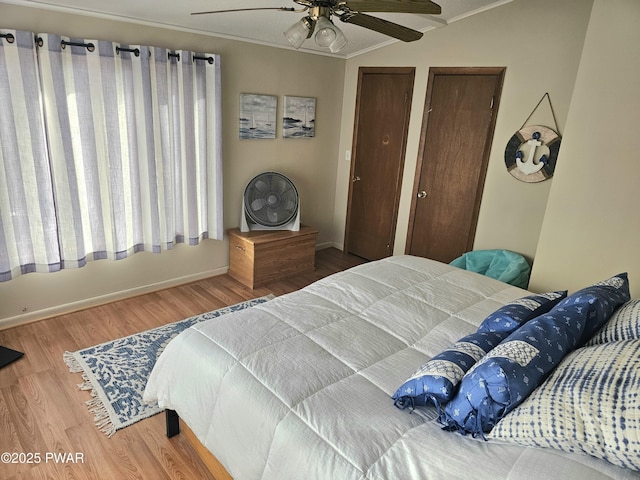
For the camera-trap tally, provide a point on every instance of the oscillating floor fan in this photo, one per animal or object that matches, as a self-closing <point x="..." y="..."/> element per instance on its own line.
<point x="270" y="202"/>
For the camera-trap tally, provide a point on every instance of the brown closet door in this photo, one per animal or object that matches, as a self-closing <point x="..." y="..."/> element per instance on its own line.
<point x="456" y="137"/>
<point x="383" y="105"/>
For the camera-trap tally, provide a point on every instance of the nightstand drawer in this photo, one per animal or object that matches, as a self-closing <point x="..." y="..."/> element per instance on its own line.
<point x="259" y="257"/>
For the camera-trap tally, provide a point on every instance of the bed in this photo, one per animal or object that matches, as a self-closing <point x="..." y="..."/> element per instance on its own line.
<point x="300" y="387"/>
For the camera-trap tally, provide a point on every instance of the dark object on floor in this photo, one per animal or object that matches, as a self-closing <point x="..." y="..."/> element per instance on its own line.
<point x="7" y="356"/>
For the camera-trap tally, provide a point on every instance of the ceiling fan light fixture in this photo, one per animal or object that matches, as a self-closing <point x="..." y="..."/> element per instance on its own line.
<point x="328" y="35"/>
<point x="297" y="33"/>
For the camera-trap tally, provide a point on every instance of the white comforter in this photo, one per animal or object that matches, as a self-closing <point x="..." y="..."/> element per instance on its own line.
<point x="300" y="387"/>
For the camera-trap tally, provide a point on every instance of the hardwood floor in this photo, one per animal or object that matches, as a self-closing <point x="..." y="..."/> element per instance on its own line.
<point x="43" y="411"/>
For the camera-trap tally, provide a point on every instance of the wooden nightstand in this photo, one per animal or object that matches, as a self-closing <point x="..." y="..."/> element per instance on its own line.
<point x="258" y="257"/>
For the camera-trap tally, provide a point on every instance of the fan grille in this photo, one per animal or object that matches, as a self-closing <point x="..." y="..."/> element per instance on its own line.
<point x="271" y="200"/>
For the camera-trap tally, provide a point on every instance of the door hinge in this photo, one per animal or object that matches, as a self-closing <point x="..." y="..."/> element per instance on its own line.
<point x="406" y="97"/>
<point x="492" y="100"/>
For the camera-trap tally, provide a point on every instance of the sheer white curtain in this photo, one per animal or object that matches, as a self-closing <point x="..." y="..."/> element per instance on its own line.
<point x="133" y="137"/>
<point x="28" y="233"/>
<point x="187" y="105"/>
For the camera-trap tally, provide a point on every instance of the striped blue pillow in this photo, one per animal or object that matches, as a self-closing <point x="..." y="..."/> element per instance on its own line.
<point x="624" y="324"/>
<point x="589" y="404"/>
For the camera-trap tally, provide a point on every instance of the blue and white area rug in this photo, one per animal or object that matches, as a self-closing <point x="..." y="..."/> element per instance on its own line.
<point x="116" y="372"/>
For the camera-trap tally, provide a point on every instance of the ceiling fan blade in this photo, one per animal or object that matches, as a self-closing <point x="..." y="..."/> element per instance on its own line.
<point x="382" y="26"/>
<point x="282" y="9"/>
<point x="395" y="6"/>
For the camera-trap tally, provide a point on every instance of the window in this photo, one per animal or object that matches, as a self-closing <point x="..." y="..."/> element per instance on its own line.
<point x="105" y="150"/>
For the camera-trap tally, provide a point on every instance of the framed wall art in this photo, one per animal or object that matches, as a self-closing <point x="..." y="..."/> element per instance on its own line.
<point x="299" y="117"/>
<point x="258" y="115"/>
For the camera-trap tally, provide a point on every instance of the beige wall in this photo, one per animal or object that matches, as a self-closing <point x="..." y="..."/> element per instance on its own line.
<point x="540" y="44"/>
<point x="580" y="227"/>
<point x="591" y="228"/>
<point x="246" y="68"/>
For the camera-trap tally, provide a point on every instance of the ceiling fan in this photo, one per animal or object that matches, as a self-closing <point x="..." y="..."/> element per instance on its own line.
<point x="327" y="34"/>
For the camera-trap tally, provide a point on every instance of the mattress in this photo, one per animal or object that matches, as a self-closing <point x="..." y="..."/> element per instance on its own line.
<point x="300" y="386"/>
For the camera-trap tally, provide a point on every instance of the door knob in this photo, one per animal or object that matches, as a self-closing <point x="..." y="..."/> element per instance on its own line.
<point x="422" y="194"/>
<point x="355" y="179"/>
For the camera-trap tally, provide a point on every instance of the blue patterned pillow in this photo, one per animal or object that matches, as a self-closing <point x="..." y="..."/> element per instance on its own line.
<point x="609" y="295"/>
<point x="624" y="324"/>
<point x="438" y="379"/>
<point x="509" y="317"/>
<point x="589" y="404"/>
<point x="512" y="370"/>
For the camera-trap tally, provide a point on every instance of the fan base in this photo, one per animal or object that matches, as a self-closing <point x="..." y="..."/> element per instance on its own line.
<point x="247" y="226"/>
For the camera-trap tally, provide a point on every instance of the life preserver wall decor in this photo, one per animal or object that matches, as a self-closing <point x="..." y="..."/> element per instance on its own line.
<point x="532" y="152"/>
<point x="526" y="157"/>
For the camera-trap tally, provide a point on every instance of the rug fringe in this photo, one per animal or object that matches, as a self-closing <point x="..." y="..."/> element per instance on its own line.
<point x="72" y="362"/>
<point x="96" y="406"/>
<point x="101" y="416"/>
<point x="102" y="412"/>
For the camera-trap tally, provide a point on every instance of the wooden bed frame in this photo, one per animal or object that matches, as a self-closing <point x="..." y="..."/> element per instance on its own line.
<point x="210" y="461"/>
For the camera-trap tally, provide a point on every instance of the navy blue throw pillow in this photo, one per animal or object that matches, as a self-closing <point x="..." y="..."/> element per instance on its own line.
<point x="514" y="314"/>
<point x="511" y="371"/>
<point x="439" y="378"/>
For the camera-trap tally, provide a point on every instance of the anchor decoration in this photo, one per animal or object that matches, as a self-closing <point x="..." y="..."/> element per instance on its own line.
<point x="526" y="157"/>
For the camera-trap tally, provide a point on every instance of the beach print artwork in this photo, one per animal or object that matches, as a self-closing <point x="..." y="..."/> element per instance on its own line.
<point x="299" y="117"/>
<point x="258" y="116"/>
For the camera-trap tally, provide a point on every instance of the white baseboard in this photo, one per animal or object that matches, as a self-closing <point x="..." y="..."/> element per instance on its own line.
<point x="66" y="308"/>
<point x="339" y="246"/>
<point x="103" y="299"/>
<point x="324" y="245"/>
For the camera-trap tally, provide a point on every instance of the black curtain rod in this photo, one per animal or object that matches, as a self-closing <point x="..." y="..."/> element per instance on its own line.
<point x="195" y="57"/>
<point x="208" y="59"/>
<point x="135" y="51"/>
<point x="63" y="43"/>
<point x="9" y="36"/>
<point x="89" y="46"/>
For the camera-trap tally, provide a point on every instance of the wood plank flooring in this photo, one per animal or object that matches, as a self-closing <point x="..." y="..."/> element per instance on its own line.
<point x="43" y="411"/>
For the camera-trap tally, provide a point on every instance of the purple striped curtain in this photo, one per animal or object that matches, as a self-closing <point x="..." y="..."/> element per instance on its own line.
<point x="28" y="232"/>
<point x="134" y="152"/>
